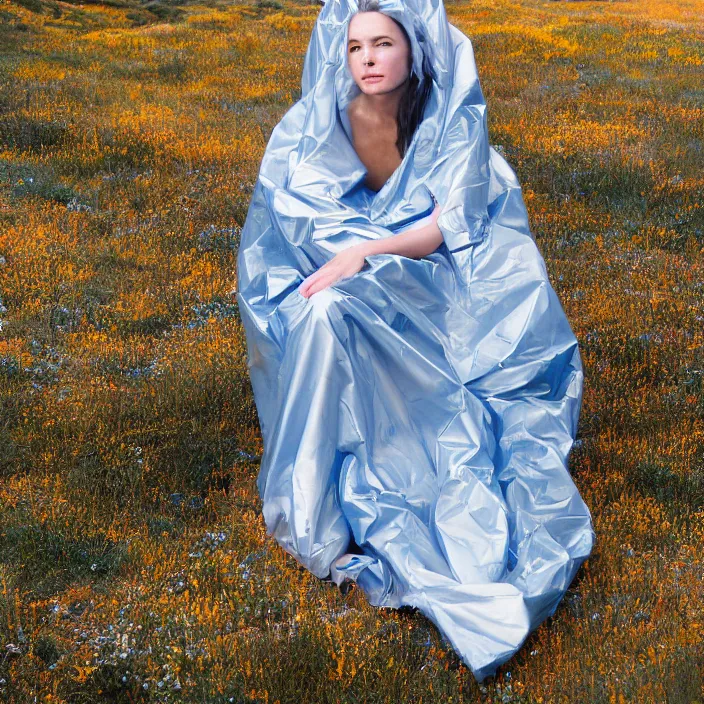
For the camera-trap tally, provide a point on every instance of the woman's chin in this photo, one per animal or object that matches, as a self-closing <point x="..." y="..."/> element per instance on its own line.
<point x="373" y="89"/>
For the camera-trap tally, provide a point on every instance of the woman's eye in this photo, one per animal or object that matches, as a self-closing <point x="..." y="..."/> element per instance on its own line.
<point x="380" y="44"/>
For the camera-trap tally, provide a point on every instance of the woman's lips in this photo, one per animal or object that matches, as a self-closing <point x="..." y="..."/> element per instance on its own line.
<point x="373" y="79"/>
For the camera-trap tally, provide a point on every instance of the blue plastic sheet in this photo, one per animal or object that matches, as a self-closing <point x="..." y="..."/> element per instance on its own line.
<point x="424" y="408"/>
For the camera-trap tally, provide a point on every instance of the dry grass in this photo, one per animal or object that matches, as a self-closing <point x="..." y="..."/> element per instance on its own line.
<point x="134" y="564"/>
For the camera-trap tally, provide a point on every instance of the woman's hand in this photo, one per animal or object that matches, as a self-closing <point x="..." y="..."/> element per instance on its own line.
<point x="342" y="265"/>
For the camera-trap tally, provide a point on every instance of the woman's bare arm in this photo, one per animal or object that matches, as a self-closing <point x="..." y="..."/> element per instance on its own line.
<point x="415" y="242"/>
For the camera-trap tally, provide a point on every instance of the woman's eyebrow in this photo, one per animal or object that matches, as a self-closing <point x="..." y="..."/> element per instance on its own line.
<point x="374" y="39"/>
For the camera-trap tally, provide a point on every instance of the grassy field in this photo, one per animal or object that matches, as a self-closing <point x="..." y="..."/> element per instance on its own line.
<point x="134" y="563"/>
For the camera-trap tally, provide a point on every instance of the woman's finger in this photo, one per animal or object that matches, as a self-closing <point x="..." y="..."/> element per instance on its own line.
<point x="321" y="283"/>
<point x="318" y="286"/>
<point x="315" y="276"/>
<point x="308" y="281"/>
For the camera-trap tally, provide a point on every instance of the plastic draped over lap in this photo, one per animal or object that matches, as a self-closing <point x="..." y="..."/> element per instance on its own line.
<point x="424" y="408"/>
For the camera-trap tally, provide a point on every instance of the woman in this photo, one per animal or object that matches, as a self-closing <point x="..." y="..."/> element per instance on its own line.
<point x="380" y="122"/>
<point x="417" y="382"/>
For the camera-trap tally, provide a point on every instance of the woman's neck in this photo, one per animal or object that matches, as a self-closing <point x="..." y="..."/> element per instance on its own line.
<point x="382" y="107"/>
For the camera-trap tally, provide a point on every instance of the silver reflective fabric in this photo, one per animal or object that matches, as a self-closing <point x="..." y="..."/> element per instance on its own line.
<point x="424" y="408"/>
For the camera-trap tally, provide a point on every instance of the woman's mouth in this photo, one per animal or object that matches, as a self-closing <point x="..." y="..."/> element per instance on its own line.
<point x="372" y="79"/>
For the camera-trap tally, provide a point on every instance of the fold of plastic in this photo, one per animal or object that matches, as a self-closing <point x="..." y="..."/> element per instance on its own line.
<point x="424" y="407"/>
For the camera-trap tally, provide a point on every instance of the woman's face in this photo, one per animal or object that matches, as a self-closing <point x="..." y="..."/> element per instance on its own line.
<point x="377" y="53"/>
